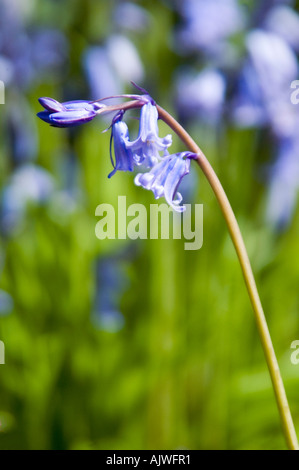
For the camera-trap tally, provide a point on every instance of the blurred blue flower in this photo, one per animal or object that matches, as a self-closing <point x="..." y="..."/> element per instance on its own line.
<point x="6" y="303"/>
<point x="201" y="94"/>
<point x="22" y="51"/>
<point x="29" y="184"/>
<point x="132" y="17"/>
<point x="21" y="130"/>
<point x="284" y="21"/>
<point x="106" y="83"/>
<point x="265" y="80"/>
<point x="148" y="144"/>
<point x="111" y="283"/>
<point x="68" y="114"/>
<point x="284" y="184"/>
<point x="55" y="44"/>
<point x="248" y="104"/>
<point x="263" y="99"/>
<point x="165" y="177"/>
<point x="262" y="9"/>
<point x="119" y="62"/>
<point x="28" y="54"/>
<point x="206" y="24"/>
<point x="125" y="58"/>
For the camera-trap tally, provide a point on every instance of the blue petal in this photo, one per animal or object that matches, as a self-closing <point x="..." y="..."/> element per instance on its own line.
<point x="148" y="144"/>
<point x="148" y="121"/>
<point x="174" y="177"/>
<point x="165" y="177"/>
<point x="51" y="105"/>
<point x="123" y="156"/>
<point x="71" y="117"/>
<point x="45" y="116"/>
<point x="81" y="104"/>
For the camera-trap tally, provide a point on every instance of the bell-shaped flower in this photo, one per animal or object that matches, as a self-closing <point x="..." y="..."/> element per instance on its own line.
<point x="68" y="114"/>
<point x="165" y="177"/>
<point x="148" y="144"/>
<point x="123" y="156"/>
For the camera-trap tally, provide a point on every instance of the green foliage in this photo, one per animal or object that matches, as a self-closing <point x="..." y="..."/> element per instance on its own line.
<point x="187" y="369"/>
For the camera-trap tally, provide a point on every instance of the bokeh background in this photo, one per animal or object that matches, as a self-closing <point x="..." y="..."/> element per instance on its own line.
<point x="121" y="344"/>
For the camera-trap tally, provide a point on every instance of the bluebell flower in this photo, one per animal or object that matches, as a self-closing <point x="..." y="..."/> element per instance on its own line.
<point x="207" y="24"/>
<point x="116" y="69"/>
<point x="201" y="94"/>
<point x="30" y="184"/>
<point x="111" y="283"/>
<point x="127" y="64"/>
<point x="21" y="131"/>
<point x="148" y="144"/>
<point x="284" y="21"/>
<point x="6" y="303"/>
<point x="165" y="177"/>
<point x="123" y="155"/>
<point x="68" y="114"/>
<point x="25" y="54"/>
<point x="106" y="83"/>
<point x="55" y="43"/>
<point x="264" y="96"/>
<point x="167" y="170"/>
<point x="132" y="17"/>
<point x="284" y="184"/>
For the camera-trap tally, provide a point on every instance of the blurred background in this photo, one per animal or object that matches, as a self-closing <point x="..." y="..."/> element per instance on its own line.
<point x="121" y="344"/>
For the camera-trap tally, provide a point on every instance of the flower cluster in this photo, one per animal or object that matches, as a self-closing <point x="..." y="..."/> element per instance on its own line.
<point x="163" y="171"/>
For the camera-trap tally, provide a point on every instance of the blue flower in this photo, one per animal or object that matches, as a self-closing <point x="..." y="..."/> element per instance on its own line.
<point x="201" y="94"/>
<point x="207" y="24"/>
<point x="263" y="97"/>
<point x="68" y="114"/>
<point x="148" y="144"/>
<point x="165" y="177"/>
<point x="284" y="184"/>
<point x="29" y="185"/>
<point x="131" y="17"/>
<point x="284" y="21"/>
<point x="6" y="303"/>
<point x="120" y="137"/>
<point x="116" y="69"/>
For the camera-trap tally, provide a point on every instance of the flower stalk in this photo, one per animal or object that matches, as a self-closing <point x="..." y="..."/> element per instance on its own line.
<point x="236" y="236"/>
<point x="163" y="176"/>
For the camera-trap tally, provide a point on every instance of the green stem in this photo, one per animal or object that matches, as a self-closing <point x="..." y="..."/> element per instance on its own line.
<point x="234" y="230"/>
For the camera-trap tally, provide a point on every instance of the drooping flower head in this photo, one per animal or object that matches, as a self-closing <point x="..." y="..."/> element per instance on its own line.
<point x="165" y="177"/>
<point x="149" y="151"/>
<point x="148" y="144"/>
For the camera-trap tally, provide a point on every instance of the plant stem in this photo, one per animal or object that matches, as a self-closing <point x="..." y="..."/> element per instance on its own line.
<point x="234" y="230"/>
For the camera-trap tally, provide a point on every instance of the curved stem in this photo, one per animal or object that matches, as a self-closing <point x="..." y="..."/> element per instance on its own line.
<point x="234" y="230"/>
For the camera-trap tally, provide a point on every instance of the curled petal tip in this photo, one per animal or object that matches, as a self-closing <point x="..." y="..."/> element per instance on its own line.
<point x="51" y="105"/>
